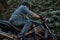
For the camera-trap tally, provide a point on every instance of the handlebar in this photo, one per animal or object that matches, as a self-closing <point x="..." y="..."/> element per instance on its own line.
<point x="44" y="20"/>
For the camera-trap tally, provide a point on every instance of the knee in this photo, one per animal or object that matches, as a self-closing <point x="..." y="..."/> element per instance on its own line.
<point x="29" y="22"/>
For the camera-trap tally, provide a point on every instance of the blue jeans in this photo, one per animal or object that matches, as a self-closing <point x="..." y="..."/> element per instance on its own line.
<point x="26" y="27"/>
<point x="27" y="24"/>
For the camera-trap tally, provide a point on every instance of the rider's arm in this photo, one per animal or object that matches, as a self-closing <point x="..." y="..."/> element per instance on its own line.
<point x="31" y="13"/>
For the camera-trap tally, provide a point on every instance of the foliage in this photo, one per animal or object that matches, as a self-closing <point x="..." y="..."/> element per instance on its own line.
<point x="47" y="8"/>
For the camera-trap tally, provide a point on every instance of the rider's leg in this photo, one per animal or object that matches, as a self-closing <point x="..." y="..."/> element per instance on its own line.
<point x="26" y="23"/>
<point x="25" y="28"/>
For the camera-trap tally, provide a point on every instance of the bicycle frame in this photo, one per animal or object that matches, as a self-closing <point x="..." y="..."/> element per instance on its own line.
<point x="47" y="28"/>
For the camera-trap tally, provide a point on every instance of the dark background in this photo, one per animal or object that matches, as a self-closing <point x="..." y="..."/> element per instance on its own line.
<point x="47" y="8"/>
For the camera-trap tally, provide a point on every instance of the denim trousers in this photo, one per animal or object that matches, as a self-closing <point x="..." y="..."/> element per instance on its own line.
<point x="26" y="23"/>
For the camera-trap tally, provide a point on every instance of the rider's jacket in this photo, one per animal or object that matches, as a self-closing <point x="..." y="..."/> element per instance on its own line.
<point x="21" y="13"/>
